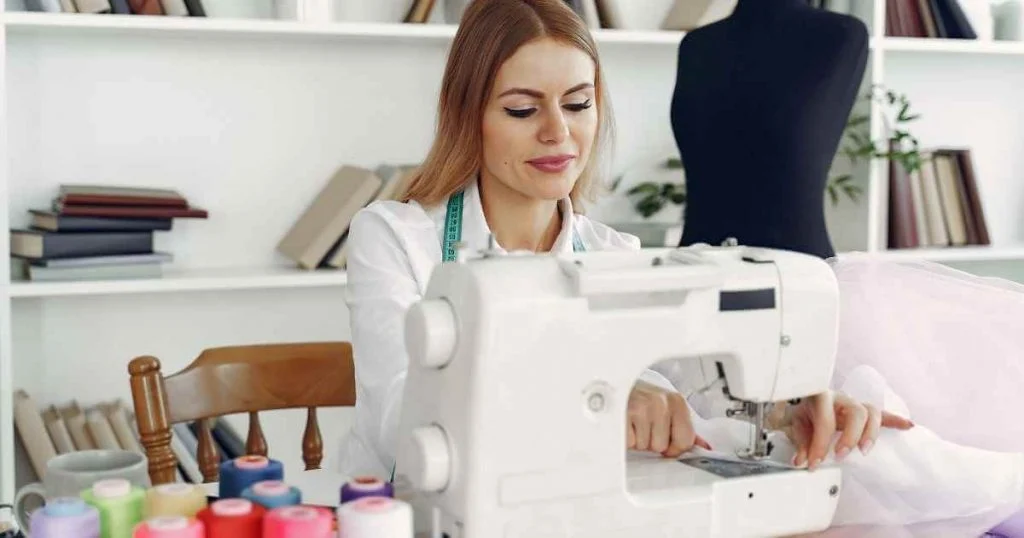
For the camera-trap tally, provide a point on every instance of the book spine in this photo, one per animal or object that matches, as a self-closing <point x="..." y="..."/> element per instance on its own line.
<point x="96" y="244"/>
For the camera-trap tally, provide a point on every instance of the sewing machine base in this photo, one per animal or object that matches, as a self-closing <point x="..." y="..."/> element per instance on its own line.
<point x="698" y="495"/>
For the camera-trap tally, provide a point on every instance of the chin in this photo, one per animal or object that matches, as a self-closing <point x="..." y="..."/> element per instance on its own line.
<point x="552" y="187"/>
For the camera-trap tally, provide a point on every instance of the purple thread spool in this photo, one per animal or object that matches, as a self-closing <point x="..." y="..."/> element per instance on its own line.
<point x="65" y="516"/>
<point x="365" y="486"/>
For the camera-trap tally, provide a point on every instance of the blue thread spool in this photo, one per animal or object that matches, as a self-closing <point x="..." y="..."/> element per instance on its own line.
<point x="65" y="516"/>
<point x="272" y="494"/>
<point x="244" y="471"/>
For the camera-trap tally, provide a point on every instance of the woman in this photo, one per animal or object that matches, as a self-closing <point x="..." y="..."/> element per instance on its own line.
<point x="524" y="128"/>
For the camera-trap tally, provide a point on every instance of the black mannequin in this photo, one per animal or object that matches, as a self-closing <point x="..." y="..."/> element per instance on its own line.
<point x="760" y="104"/>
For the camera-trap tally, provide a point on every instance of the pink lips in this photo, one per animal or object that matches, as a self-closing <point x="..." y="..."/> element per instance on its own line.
<point x="552" y="164"/>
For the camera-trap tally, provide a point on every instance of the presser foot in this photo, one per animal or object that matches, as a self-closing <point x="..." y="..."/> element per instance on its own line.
<point x="760" y="447"/>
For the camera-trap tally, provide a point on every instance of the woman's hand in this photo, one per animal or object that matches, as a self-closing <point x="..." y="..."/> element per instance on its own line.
<point x="659" y="421"/>
<point x="812" y="423"/>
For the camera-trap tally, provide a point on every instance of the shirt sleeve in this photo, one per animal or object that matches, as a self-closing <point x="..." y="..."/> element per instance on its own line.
<point x="381" y="288"/>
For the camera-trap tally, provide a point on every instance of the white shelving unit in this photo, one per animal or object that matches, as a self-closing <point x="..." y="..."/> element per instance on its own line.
<point x="248" y="118"/>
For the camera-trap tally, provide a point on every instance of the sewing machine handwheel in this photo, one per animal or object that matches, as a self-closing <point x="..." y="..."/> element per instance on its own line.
<point x="430" y="331"/>
<point x="426" y="460"/>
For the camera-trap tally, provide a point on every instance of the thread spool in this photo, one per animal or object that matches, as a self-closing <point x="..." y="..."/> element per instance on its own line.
<point x="233" y="518"/>
<point x="65" y="516"/>
<point x="244" y="471"/>
<point x="375" y="517"/>
<point x="365" y="486"/>
<point x="298" y="522"/>
<point x="170" y="527"/>
<point x="174" y="500"/>
<point x="272" y="494"/>
<point x="120" y="505"/>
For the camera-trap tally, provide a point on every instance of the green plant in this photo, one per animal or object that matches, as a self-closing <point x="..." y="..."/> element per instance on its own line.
<point x="649" y="197"/>
<point x="897" y="145"/>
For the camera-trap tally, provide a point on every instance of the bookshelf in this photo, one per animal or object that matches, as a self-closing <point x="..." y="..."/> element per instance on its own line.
<point x="184" y="280"/>
<point x="248" y="118"/>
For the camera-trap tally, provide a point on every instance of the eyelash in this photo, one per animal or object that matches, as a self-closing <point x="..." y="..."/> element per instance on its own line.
<point x="526" y="112"/>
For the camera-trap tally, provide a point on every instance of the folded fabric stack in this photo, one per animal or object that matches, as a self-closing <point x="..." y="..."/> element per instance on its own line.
<point x="94" y="232"/>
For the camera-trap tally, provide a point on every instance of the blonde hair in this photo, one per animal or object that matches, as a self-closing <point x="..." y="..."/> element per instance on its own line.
<point x="490" y="32"/>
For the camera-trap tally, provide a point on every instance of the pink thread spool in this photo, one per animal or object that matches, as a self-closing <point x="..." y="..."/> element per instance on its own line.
<point x="298" y="522"/>
<point x="170" y="527"/>
<point x="375" y="517"/>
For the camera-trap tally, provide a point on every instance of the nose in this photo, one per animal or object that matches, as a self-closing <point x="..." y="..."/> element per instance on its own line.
<point x="555" y="128"/>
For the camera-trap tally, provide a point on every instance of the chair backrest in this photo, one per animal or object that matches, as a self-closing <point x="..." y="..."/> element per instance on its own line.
<point x="238" y="379"/>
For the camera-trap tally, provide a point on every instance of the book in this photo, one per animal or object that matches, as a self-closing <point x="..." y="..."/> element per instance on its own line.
<point x="396" y="180"/>
<point x="97" y="261"/>
<point x="85" y="194"/>
<point x="164" y="212"/>
<point x="42" y="219"/>
<point x="29" y="422"/>
<point x="146" y="7"/>
<point x="45" y="244"/>
<point x="97" y="272"/>
<point x="326" y="218"/>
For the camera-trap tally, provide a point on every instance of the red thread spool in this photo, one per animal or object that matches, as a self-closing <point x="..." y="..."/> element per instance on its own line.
<point x="233" y="518"/>
<point x="298" y="522"/>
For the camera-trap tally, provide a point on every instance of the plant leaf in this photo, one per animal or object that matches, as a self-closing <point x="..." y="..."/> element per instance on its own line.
<point x="647" y="187"/>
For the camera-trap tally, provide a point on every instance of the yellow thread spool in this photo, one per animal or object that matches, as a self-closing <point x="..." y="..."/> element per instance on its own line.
<point x="174" y="500"/>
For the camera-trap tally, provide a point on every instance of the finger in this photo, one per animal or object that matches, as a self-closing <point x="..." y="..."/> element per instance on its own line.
<point x="661" y="424"/>
<point x="823" y="424"/>
<point x="682" y="433"/>
<point x="630" y="435"/>
<point x="854" y="419"/>
<point x="699" y="441"/>
<point x="871" y="430"/>
<point x="642" y="425"/>
<point x="801" y="438"/>
<point x="890" y="420"/>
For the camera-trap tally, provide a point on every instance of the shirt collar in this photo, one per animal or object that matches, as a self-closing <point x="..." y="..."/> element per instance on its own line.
<point x="476" y="233"/>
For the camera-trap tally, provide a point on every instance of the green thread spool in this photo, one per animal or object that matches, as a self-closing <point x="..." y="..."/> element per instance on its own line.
<point x="119" y="504"/>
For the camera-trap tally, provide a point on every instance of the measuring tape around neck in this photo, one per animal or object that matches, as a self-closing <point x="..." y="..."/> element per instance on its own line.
<point x="453" y="230"/>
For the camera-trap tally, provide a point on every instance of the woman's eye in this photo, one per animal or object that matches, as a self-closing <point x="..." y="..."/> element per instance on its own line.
<point x="520" y="112"/>
<point x="577" y="107"/>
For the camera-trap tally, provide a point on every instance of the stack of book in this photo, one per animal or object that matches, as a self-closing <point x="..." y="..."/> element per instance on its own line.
<point x="94" y="232"/>
<point x="937" y="205"/>
<point x="317" y="238"/>
<point x="928" y="18"/>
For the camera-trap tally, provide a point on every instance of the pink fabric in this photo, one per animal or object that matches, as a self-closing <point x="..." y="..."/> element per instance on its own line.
<point x="945" y="349"/>
<point x="950" y="348"/>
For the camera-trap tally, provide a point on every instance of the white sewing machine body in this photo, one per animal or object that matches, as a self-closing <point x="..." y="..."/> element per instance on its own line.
<point x="514" y="416"/>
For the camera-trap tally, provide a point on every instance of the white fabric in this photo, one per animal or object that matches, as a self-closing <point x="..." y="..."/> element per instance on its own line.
<point x="393" y="247"/>
<point x="943" y="348"/>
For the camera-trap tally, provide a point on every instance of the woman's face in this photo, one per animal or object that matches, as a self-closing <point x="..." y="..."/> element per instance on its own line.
<point x="541" y="119"/>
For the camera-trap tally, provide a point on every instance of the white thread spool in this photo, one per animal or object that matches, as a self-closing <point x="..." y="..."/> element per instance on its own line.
<point x="375" y="517"/>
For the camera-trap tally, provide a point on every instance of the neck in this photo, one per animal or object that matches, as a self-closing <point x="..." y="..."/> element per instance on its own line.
<point x="756" y="7"/>
<point x="518" y="222"/>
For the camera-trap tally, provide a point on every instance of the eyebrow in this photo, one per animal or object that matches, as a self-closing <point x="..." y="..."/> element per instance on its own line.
<point x="537" y="94"/>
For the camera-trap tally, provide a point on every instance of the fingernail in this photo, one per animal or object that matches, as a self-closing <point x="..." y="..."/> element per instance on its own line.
<point x="815" y="463"/>
<point x="842" y="453"/>
<point x="866" y="447"/>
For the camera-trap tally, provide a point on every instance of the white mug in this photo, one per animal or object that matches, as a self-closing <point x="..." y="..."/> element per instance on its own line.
<point x="67" y="475"/>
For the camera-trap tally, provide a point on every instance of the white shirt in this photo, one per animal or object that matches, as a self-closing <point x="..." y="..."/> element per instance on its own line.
<point x="393" y="248"/>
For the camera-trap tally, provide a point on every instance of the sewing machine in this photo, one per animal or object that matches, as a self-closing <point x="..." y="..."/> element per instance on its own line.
<point x="514" y="416"/>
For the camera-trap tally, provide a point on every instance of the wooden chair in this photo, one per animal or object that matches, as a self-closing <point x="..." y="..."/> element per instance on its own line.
<point x="238" y="379"/>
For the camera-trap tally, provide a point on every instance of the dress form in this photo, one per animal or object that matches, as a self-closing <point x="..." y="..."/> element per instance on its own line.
<point x="759" y="107"/>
